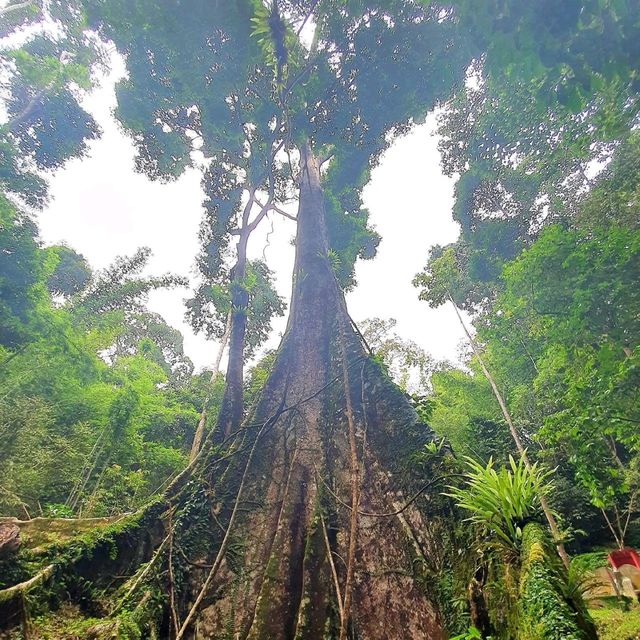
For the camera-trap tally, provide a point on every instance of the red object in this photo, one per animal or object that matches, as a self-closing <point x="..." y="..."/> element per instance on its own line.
<point x="624" y="556"/>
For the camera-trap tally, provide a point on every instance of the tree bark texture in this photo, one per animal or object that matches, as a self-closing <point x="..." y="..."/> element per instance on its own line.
<point x="231" y="411"/>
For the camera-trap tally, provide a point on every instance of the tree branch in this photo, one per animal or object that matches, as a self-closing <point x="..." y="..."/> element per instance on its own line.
<point x="15" y="7"/>
<point x="28" y="109"/>
<point x="306" y="18"/>
<point x="325" y="158"/>
<point x="277" y="209"/>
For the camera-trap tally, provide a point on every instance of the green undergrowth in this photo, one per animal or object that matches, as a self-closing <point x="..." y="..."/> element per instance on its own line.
<point x="617" y="624"/>
<point x="68" y="623"/>
<point x="590" y="561"/>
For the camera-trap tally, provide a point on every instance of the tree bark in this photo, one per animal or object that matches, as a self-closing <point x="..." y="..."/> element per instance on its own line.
<point x="232" y="409"/>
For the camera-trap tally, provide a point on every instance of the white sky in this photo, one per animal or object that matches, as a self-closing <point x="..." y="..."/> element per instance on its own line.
<point x="103" y="209"/>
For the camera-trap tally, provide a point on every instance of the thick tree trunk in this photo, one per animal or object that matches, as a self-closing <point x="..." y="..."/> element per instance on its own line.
<point x="330" y="433"/>
<point x="297" y="525"/>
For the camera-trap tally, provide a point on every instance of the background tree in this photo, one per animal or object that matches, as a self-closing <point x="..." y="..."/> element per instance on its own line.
<point x="408" y="364"/>
<point x="80" y="433"/>
<point x="71" y="274"/>
<point x="526" y="142"/>
<point x="553" y="94"/>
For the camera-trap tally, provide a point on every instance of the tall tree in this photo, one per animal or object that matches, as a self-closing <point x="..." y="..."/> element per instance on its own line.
<point x="409" y="365"/>
<point x="328" y="442"/>
<point x="280" y="531"/>
<point x="214" y="311"/>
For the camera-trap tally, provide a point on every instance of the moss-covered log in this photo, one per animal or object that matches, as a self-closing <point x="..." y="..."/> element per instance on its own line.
<point x="545" y="612"/>
<point x="74" y="559"/>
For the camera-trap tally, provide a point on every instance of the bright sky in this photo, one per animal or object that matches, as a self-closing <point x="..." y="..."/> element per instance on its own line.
<point x="103" y="209"/>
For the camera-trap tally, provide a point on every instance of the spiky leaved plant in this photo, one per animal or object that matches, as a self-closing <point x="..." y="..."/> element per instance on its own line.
<point x="502" y="500"/>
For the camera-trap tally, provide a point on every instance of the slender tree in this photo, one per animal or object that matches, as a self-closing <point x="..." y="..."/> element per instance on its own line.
<point x="439" y="286"/>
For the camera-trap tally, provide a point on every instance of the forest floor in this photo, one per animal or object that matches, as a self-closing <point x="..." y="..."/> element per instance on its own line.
<point x="617" y="624"/>
<point x="615" y="618"/>
<point x="68" y="623"/>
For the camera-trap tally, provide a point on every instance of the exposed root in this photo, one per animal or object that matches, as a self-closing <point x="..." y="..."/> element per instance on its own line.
<point x="24" y="587"/>
<point x="225" y="541"/>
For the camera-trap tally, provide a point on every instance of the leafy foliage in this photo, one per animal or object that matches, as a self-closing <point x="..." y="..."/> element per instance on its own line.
<point x="502" y="500"/>
<point x="93" y="435"/>
<point x="207" y="311"/>
<point x="408" y="364"/>
<point x="42" y="82"/>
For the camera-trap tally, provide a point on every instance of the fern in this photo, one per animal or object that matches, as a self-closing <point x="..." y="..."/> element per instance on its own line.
<point x="502" y="500"/>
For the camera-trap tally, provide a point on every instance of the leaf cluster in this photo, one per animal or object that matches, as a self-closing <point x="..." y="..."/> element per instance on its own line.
<point x="502" y="501"/>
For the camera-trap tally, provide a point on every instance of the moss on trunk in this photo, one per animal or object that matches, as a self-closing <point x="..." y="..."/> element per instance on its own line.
<point x="544" y="610"/>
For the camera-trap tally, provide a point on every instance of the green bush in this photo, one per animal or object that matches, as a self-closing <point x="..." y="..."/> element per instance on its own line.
<point x="502" y="500"/>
